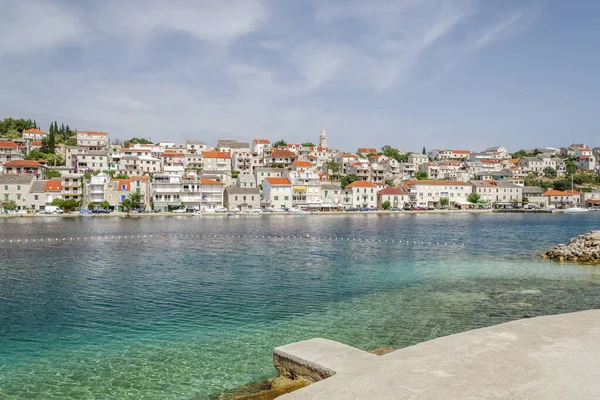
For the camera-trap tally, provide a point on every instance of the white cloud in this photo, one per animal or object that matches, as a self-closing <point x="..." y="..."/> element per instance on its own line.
<point x="216" y="79"/>
<point x="27" y="26"/>
<point x="215" y="21"/>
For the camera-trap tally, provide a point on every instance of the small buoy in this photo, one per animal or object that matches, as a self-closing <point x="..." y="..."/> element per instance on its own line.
<point x="164" y="234"/>
<point x="308" y="236"/>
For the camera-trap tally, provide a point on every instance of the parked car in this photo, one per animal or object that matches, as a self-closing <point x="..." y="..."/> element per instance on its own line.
<point x="431" y="208"/>
<point x="407" y="208"/>
<point x="85" y="211"/>
<point x="180" y="211"/>
<point x="395" y="209"/>
<point x="365" y="209"/>
<point x="268" y="210"/>
<point x="100" y="211"/>
<point x="220" y="210"/>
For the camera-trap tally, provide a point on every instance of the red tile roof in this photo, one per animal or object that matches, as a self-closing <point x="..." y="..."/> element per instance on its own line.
<point x="283" y="154"/>
<point x="367" y="150"/>
<point x="34" y="130"/>
<point x="394" y="190"/>
<point x="6" y="144"/>
<point x="361" y="184"/>
<point x="23" y="163"/>
<point x="121" y="182"/>
<point x="53" y="185"/>
<point x="461" y="151"/>
<point x="278" y="181"/>
<point x="216" y="154"/>
<point x="347" y="155"/>
<point x="206" y="181"/>
<point x="262" y="141"/>
<point x="36" y="143"/>
<point x="139" y="178"/>
<point x="300" y="163"/>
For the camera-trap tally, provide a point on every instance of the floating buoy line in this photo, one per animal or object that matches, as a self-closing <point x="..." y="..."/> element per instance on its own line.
<point x="306" y="237"/>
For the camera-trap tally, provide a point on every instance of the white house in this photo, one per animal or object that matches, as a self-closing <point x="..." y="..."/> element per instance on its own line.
<point x="278" y="192"/>
<point x="34" y="134"/>
<point x="261" y="146"/>
<point x="360" y="194"/>
<point x="92" y="140"/>
<point x="217" y="161"/>
<point x="427" y="193"/>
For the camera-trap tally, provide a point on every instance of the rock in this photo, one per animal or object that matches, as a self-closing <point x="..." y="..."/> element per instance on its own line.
<point x="583" y="248"/>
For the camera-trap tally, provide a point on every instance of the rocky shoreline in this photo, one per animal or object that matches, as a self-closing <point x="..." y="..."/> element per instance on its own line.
<point x="582" y="249"/>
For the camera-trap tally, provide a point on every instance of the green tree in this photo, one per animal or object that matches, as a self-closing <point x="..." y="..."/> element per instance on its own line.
<point x="386" y="205"/>
<point x="235" y="174"/>
<point x="522" y="153"/>
<point x="52" y="174"/>
<point x="105" y="205"/>
<point x="333" y="167"/>
<point x="122" y="176"/>
<point x="308" y="144"/>
<point x="549" y="172"/>
<point x="424" y="152"/>
<point x="532" y="179"/>
<point x="473" y="198"/>
<point x="276" y="165"/>
<point x="280" y="143"/>
<point x="347" y="180"/>
<point x="571" y="167"/>
<point x="128" y="143"/>
<point x="10" y="205"/>
<point x="562" y="185"/>
<point x="444" y="201"/>
<point x="14" y="128"/>
<point x="421" y="175"/>
<point x="133" y="201"/>
<point x="65" y="205"/>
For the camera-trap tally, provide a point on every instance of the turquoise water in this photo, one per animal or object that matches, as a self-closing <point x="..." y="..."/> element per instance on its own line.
<point x="186" y="317"/>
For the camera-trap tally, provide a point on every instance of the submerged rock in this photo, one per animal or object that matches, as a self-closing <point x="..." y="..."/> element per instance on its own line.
<point x="583" y="249"/>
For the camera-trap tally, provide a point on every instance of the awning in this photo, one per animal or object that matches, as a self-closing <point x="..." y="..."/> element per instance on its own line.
<point x="300" y="188"/>
<point x="463" y="202"/>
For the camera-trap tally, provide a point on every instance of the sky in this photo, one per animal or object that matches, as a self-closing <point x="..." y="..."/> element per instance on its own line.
<point x="408" y="73"/>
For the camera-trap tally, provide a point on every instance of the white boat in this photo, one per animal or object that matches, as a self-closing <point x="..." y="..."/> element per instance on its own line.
<point x="255" y="211"/>
<point x="298" y="211"/>
<point x="575" y="209"/>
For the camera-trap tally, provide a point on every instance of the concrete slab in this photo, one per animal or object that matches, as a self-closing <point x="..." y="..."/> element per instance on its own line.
<point x="549" y="358"/>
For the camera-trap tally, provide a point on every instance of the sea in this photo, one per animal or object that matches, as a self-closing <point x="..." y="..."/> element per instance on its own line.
<point x="187" y="307"/>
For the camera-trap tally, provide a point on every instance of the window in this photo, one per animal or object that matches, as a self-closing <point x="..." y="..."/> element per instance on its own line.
<point x="357" y="198"/>
<point x="236" y="198"/>
<point x="286" y="198"/>
<point x="276" y="198"/>
<point x="18" y="187"/>
<point x="123" y="197"/>
<point x="35" y="197"/>
<point x="5" y="187"/>
<point x="5" y="196"/>
<point x="252" y="198"/>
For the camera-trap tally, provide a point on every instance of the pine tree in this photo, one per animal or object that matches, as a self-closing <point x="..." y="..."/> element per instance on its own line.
<point x="424" y="151"/>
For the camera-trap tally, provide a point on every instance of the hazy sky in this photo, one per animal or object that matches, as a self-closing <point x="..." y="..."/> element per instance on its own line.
<point x="410" y="73"/>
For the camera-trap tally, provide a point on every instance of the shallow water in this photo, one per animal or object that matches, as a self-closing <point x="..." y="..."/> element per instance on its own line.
<point x="185" y="317"/>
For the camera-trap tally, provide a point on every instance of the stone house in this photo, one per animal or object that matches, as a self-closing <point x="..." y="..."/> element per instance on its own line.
<point x="240" y="198"/>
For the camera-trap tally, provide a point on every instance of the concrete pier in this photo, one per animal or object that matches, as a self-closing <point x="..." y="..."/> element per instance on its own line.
<point x="546" y="358"/>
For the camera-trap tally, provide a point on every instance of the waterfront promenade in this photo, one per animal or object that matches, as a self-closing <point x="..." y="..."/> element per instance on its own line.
<point x="545" y="358"/>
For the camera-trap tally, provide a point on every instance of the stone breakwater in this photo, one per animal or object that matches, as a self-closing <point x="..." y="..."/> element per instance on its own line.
<point x="583" y="248"/>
